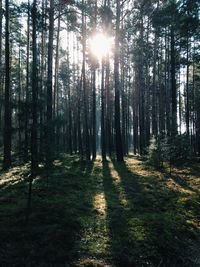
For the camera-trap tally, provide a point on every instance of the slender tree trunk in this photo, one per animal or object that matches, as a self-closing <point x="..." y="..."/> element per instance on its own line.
<point x="118" y="137"/>
<point x="135" y="126"/>
<point x="26" y="140"/>
<point x="161" y="96"/>
<point x="123" y="101"/>
<point x="80" y="145"/>
<point x="168" y="84"/>
<point x="56" y="67"/>
<point x="69" y="118"/>
<point x="94" y="132"/>
<point x="74" y="110"/>
<point x="55" y="93"/>
<point x="154" y="88"/>
<point x="50" y="129"/>
<point x="7" y="104"/>
<point x="108" y="107"/>
<point x="86" y="129"/>
<point x="43" y="82"/>
<point x="103" y="143"/>
<point x="173" y="85"/>
<point x="187" y="113"/>
<point x="19" y="103"/>
<point x="34" y="148"/>
<point x="1" y="71"/>
<point x="141" y="84"/>
<point x="34" y="144"/>
<point x="94" y="127"/>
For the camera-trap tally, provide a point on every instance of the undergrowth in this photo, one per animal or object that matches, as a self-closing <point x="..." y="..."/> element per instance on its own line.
<point x="100" y="214"/>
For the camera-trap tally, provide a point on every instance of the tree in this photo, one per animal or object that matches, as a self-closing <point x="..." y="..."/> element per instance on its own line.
<point x="34" y="126"/>
<point x="118" y="137"/>
<point x="85" y="104"/>
<point x="7" y="103"/>
<point x="49" y="115"/>
<point x="1" y="70"/>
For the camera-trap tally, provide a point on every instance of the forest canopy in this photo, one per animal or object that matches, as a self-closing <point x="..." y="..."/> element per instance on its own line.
<point x="98" y="76"/>
<point x="101" y="97"/>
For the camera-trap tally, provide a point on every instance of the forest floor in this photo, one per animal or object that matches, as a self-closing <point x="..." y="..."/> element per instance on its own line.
<point x="101" y="214"/>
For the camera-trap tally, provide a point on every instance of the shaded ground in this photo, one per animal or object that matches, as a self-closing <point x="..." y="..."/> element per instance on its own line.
<point x="101" y="214"/>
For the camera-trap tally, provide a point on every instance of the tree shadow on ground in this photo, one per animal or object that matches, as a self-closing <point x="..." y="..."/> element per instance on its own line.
<point x="116" y="218"/>
<point x="94" y="215"/>
<point x="146" y="219"/>
<point x="56" y="221"/>
<point x="181" y="178"/>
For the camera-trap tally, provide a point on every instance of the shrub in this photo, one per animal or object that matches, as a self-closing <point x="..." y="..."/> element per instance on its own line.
<point x="174" y="150"/>
<point x="156" y="152"/>
<point x="179" y="149"/>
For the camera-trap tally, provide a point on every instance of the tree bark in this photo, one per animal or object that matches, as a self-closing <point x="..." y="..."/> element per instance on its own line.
<point x="173" y="85"/>
<point x="49" y="128"/>
<point x="26" y="140"/>
<point x="118" y="137"/>
<point x="34" y="144"/>
<point x="103" y="143"/>
<point x="7" y="104"/>
<point x="86" y="129"/>
<point x="1" y="70"/>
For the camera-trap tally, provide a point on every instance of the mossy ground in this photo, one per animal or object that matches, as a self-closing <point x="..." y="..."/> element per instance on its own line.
<point x="101" y="214"/>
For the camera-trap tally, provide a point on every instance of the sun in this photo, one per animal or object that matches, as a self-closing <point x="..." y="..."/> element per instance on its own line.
<point x="100" y="45"/>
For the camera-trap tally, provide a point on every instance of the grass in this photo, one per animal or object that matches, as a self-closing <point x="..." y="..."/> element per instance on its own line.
<point x="101" y="214"/>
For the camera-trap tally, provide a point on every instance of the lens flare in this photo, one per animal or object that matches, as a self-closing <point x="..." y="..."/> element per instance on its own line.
<point x="100" y="45"/>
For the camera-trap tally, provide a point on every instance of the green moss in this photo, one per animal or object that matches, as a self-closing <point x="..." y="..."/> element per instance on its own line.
<point x="98" y="214"/>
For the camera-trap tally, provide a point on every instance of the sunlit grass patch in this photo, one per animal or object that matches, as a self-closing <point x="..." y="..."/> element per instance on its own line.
<point x="90" y="262"/>
<point x="173" y="185"/>
<point x="116" y="177"/>
<point x="57" y="162"/>
<point x="117" y="181"/>
<point x="14" y="175"/>
<point x="140" y="168"/>
<point x="100" y="204"/>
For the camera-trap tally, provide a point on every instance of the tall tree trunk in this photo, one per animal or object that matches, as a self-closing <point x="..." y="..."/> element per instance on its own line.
<point x="7" y="104"/>
<point x="34" y="148"/>
<point x="94" y="131"/>
<point x="167" y="83"/>
<point x="86" y="129"/>
<point x="94" y="127"/>
<point x="154" y="87"/>
<point x="161" y="95"/>
<point x="123" y="101"/>
<point x="118" y="137"/>
<point x="26" y="140"/>
<point x="34" y="144"/>
<point x="141" y="89"/>
<point x="1" y="71"/>
<point x="135" y="122"/>
<point x="108" y="107"/>
<point x="74" y="110"/>
<point x="55" y="93"/>
<point x="173" y="85"/>
<point x="187" y="113"/>
<point x="49" y="128"/>
<point x="80" y="145"/>
<point x="103" y="142"/>
<point x="19" y="103"/>
<point x="43" y="82"/>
